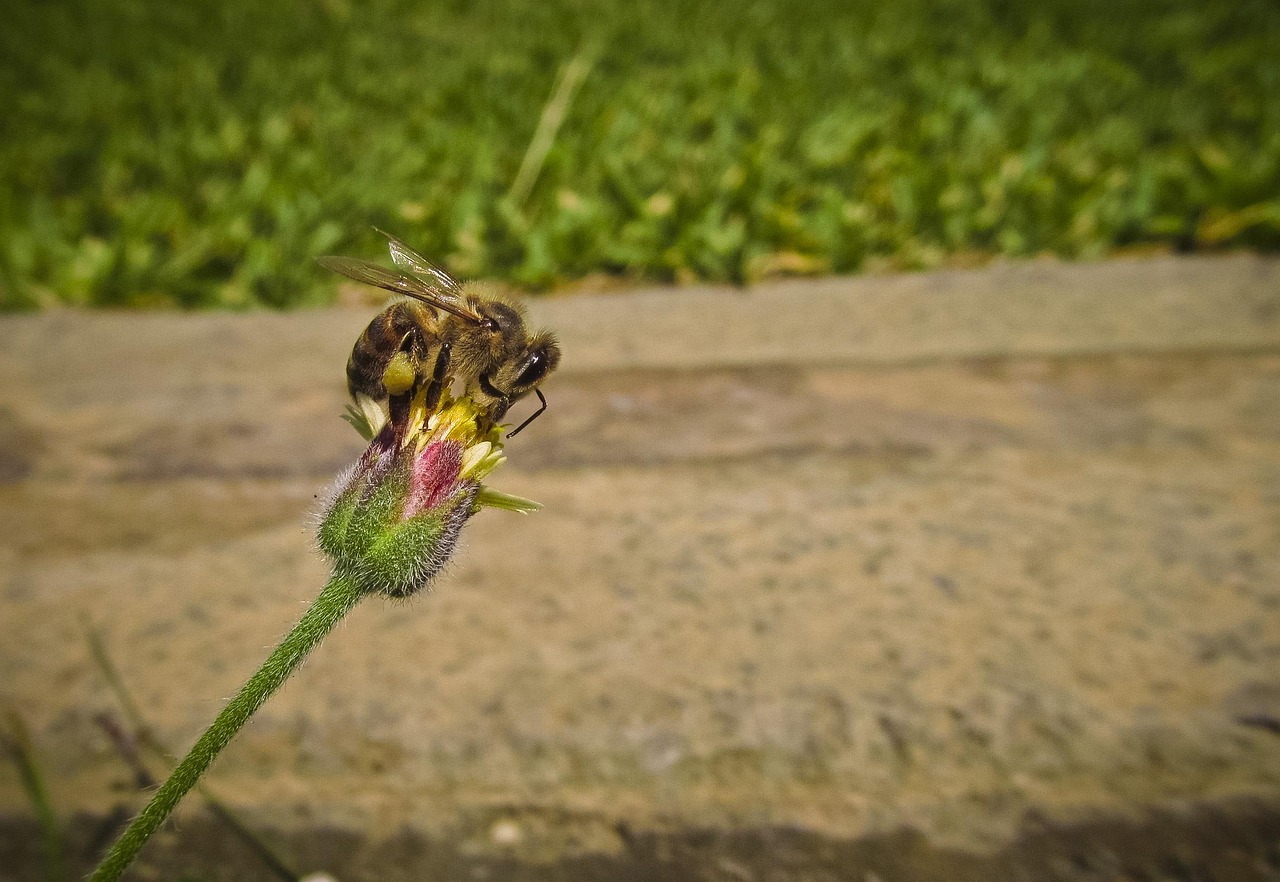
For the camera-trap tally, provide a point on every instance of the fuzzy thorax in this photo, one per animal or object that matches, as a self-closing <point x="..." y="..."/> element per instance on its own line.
<point x="395" y="517"/>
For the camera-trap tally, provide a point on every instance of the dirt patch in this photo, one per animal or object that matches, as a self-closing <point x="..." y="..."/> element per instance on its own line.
<point x="64" y="520"/>
<point x="1234" y="841"/>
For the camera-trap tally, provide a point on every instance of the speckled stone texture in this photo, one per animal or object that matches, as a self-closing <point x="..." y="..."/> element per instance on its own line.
<point x="922" y="577"/>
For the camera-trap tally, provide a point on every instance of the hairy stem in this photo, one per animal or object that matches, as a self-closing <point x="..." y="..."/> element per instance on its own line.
<point x="144" y="736"/>
<point x="334" y="602"/>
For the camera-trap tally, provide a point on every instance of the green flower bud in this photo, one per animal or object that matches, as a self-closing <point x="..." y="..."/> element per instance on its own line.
<point x="395" y="517"/>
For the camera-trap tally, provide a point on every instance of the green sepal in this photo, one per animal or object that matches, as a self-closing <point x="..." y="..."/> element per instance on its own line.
<point x="375" y="504"/>
<point x="403" y="556"/>
<point x="361" y="512"/>
<point x="359" y="421"/>
<point x="490" y="498"/>
<point x="331" y="536"/>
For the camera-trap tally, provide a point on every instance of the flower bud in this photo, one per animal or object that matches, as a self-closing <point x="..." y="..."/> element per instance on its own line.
<point x="395" y="517"/>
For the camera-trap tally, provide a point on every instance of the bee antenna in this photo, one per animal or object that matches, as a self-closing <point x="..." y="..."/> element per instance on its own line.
<point x="537" y="413"/>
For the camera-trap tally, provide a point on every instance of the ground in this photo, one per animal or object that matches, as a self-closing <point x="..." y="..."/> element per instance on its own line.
<point x="940" y="576"/>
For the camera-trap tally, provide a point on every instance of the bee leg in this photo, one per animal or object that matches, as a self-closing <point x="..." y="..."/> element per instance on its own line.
<point x="498" y="411"/>
<point x="436" y="387"/>
<point x="398" y="410"/>
<point x="399" y="380"/>
<point x="537" y="413"/>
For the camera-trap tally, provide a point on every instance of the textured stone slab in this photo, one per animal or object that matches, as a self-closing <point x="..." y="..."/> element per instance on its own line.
<point x="891" y="608"/>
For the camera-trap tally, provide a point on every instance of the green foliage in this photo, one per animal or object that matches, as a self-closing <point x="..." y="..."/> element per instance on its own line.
<point x="201" y="154"/>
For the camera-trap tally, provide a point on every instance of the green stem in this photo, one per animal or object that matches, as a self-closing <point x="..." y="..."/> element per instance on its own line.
<point x="334" y="602"/>
<point x="147" y="739"/>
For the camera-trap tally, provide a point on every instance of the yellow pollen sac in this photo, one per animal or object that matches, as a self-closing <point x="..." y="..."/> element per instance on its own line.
<point x="399" y="376"/>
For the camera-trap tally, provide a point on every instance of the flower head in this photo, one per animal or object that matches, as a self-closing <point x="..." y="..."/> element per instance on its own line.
<point x="395" y="517"/>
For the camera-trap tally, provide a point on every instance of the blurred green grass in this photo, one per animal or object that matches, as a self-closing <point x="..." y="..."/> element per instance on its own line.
<point x="200" y="154"/>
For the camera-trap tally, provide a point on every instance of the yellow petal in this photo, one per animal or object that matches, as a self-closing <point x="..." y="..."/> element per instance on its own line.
<point x="473" y="457"/>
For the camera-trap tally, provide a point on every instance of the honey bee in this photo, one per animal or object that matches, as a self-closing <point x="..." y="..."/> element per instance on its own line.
<point x="441" y="331"/>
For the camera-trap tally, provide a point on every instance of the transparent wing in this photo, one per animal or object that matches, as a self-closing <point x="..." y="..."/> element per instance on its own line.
<point x="410" y="286"/>
<point x="408" y="259"/>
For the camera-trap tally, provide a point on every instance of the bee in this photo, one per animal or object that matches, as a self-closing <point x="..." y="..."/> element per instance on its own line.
<point x="445" y="331"/>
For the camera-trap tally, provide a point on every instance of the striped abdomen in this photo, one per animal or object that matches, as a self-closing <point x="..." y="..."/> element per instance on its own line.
<point x="402" y="325"/>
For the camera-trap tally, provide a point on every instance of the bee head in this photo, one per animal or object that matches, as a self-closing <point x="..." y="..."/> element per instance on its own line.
<point x="514" y="361"/>
<point x="525" y="366"/>
<point x="541" y="356"/>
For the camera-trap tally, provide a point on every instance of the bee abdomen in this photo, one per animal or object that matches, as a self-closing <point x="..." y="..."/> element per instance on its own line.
<point x="393" y="329"/>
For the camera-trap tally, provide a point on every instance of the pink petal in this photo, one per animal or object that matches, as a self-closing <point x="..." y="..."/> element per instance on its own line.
<point x="435" y="476"/>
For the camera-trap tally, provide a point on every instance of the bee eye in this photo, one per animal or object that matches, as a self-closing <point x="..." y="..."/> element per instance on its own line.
<point x="534" y="370"/>
<point x="490" y="324"/>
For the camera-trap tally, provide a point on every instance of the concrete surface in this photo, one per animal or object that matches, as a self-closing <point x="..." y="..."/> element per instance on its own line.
<point x="957" y="575"/>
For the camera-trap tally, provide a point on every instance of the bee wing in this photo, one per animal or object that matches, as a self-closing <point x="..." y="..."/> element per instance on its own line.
<point x="408" y="259"/>
<point x="410" y="286"/>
